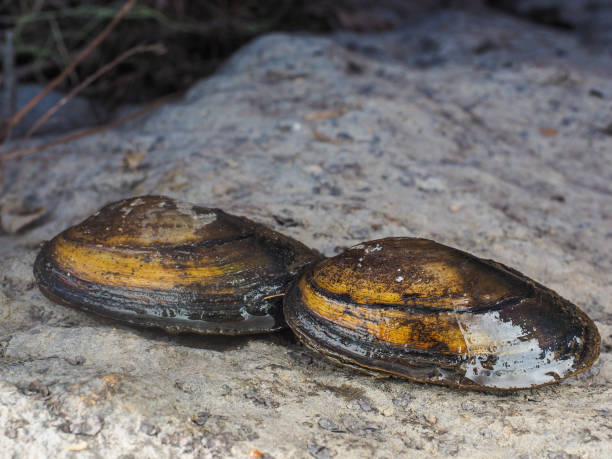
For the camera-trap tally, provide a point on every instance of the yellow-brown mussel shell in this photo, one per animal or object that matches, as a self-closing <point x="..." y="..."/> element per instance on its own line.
<point x="155" y="261"/>
<point x="431" y="313"/>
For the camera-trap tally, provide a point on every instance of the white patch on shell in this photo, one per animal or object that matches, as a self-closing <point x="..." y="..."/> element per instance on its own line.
<point x="520" y="362"/>
<point x="126" y="211"/>
<point x="200" y="220"/>
<point x="399" y="278"/>
<point x="136" y="202"/>
<point x="376" y="248"/>
<point x="357" y="247"/>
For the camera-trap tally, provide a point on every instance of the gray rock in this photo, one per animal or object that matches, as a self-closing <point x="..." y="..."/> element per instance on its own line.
<point x="77" y="112"/>
<point x="501" y="150"/>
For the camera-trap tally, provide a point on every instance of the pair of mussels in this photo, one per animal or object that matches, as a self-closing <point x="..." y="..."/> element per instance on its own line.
<point x="401" y="306"/>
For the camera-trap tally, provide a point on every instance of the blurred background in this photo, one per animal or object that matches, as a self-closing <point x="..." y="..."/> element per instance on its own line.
<point x="161" y="47"/>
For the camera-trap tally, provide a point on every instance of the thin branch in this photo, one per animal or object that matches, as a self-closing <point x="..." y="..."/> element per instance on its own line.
<point x="31" y="68"/>
<point x="61" y="46"/>
<point x="10" y="155"/>
<point x="9" y="93"/>
<point x="157" y="48"/>
<point x="70" y="68"/>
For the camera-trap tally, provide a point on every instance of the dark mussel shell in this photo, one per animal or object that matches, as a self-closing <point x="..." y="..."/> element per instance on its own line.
<point x="430" y="313"/>
<point x="154" y="261"/>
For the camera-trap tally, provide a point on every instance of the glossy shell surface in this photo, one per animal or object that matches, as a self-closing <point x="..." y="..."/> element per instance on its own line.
<point x="430" y="313"/>
<point x="154" y="261"/>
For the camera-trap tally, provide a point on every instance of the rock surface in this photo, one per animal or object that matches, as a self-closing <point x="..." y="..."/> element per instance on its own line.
<point x="479" y="131"/>
<point x="77" y="112"/>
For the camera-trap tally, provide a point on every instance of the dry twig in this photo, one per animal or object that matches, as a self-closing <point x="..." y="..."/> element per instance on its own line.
<point x="70" y="68"/>
<point x="155" y="48"/>
<point x="8" y="64"/>
<point x="10" y="155"/>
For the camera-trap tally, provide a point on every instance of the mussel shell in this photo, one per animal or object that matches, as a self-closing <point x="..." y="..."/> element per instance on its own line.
<point x="431" y="313"/>
<point x="154" y="261"/>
